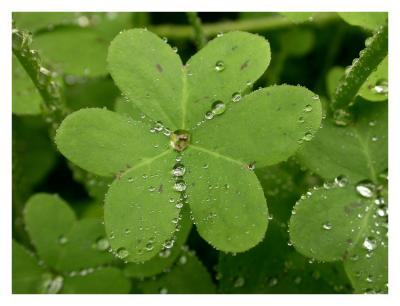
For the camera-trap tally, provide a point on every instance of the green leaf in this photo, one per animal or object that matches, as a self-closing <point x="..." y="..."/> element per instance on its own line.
<point x="362" y="151"/>
<point x="102" y="281"/>
<point x="292" y="114"/>
<point x="139" y="209"/>
<point x="27" y="275"/>
<point x="226" y="200"/>
<point x="104" y="143"/>
<point x="26" y="100"/>
<point x="33" y="21"/>
<point x="166" y="257"/>
<point x="86" y="246"/>
<point x="187" y="276"/>
<point x="227" y="65"/>
<point x="149" y="73"/>
<point x="333" y="78"/>
<point x="48" y="229"/>
<point x="375" y="88"/>
<point x="274" y="267"/>
<point x="338" y="224"/>
<point x="368" y="20"/>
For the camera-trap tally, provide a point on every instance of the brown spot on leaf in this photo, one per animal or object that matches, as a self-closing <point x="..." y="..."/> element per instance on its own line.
<point x="244" y="65"/>
<point x="159" y="68"/>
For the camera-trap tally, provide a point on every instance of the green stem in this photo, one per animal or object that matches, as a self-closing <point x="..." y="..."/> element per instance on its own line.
<point x="199" y="35"/>
<point x="361" y="68"/>
<point x="271" y="23"/>
<point x="47" y="83"/>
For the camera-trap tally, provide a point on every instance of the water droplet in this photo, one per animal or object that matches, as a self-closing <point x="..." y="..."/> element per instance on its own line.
<point x="308" y="108"/>
<point x="175" y="49"/>
<point x="327" y="226"/>
<point x="180" y="186"/>
<point x="165" y="253"/>
<point x="301" y="119"/>
<point x="182" y="260"/>
<point x="236" y="97"/>
<point x="53" y="285"/>
<point x="220" y="34"/>
<point x="158" y="126"/>
<point x="273" y="281"/>
<point x="102" y="244"/>
<point x="169" y="243"/>
<point x="209" y="115"/>
<point x="366" y="189"/>
<point x="179" y="204"/>
<point x="62" y="239"/>
<point x="165" y="39"/>
<point x="122" y="253"/>
<point x="251" y="166"/>
<point x="239" y="282"/>
<point x="149" y="246"/>
<point x="374" y="138"/>
<point x="179" y="140"/>
<point x="178" y="170"/>
<point x="219" y="66"/>
<point x="218" y="108"/>
<point x="370" y="243"/>
<point x="381" y="87"/>
<point x="341" y="181"/>
<point x="342" y="117"/>
<point x="163" y="290"/>
<point x="307" y="136"/>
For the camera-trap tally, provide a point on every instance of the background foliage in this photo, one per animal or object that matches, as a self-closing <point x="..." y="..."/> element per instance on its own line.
<point x="327" y="204"/>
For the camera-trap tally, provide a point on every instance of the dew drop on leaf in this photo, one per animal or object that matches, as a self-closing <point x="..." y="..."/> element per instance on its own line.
<point x="366" y="189"/>
<point x="62" y="240"/>
<point x="163" y="290"/>
<point x="122" y="253"/>
<point x="341" y="181"/>
<point x="327" y="226"/>
<point x="219" y="66"/>
<point x="218" y="108"/>
<point x="169" y="243"/>
<point x="308" y="108"/>
<point x="381" y="87"/>
<point x="53" y="285"/>
<point x="236" y="97"/>
<point x="179" y="140"/>
<point x="180" y="186"/>
<point x="370" y="243"/>
<point x="209" y="115"/>
<point x="307" y="136"/>
<point x="149" y="246"/>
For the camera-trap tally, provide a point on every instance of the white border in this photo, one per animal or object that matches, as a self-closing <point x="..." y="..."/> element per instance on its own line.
<point x="7" y="6"/>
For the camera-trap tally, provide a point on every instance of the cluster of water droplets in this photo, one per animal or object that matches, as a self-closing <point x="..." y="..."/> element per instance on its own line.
<point x="46" y="81"/>
<point x="308" y="108"/>
<point x="159" y="127"/>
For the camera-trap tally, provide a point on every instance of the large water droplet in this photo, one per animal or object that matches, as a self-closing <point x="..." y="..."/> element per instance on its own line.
<point x="178" y="170"/>
<point x="370" y="243"/>
<point x="218" y="108"/>
<point x="180" y="186"/>
<point x="179" y="140"/>
<point x="219" y="66"/>
<point x="366" y="189"/>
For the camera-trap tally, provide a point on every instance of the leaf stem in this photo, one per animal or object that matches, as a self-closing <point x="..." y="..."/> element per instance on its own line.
<point x="361" y="68"/>
<point x="199" y="35"/>
<point x="270" y="23"/>
<point x="47" y="82"/>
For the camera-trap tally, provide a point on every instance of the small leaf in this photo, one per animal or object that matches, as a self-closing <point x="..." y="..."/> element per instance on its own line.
<point x="27" y="275"/>
<point x="270" y="124"/>
<point x="226" y="200"/>
<point x="47" y="230"/>
<point x="226" y="65"/>
<point x="362" y="151"/>
<point x="102" y="281"/>
<point x="149" y="73"/>
<point x="368" y="20"/>
<point x="26" y="100"/>
<point x="187" y="276"/>
<point x="104" y="143"/>
<point x="166" y="257"/>
<point x="140" y="209"/>
<point x="339" y="224"/>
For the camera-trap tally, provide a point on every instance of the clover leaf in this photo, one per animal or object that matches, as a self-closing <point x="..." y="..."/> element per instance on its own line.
<point x="196" y="143"/>
<point x="73" y="254"/>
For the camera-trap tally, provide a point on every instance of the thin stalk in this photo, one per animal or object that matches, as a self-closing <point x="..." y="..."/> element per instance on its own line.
<point x="361" y="68"/>
<point x="271" y="23"/>
<point x="199" y="35"/>
<point x="47" y="82"/>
